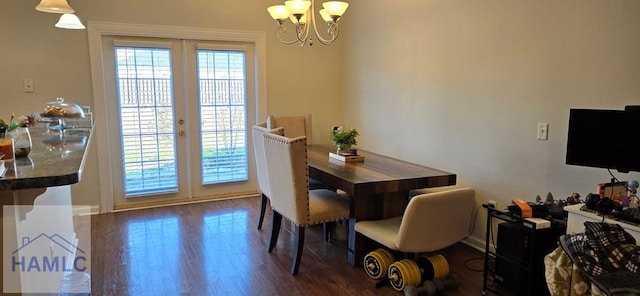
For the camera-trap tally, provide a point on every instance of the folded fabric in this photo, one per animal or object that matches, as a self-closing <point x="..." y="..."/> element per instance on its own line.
<point x="614" y="247"/>
<point x="607" y="255"/>
<point x="579" y="250"/>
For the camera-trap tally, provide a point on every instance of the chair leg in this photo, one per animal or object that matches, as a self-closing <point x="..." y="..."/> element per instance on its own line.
<point x="276" y="221"/>
<point x="263" y="207"/>
<point x="327" y="228"/>
<point x="300" y="242"/>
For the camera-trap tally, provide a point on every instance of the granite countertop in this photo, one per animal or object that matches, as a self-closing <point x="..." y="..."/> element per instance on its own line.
<point x="56" y="159"/>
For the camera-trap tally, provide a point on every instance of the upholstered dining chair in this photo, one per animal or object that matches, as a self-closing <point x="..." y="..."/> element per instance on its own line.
<point x="287" y="171"/>
<point x="431" y="221"/>
<point x="257" y="133"/>
<point x="294" y="125"/>
<point x="289" y="126"/>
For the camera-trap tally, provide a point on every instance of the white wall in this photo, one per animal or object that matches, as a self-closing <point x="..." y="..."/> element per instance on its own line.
<point x="460" y="85"/>
<point x="299" y="80"/>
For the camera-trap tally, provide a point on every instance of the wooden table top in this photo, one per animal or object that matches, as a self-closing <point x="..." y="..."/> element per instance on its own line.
<point x="377" y="174"/>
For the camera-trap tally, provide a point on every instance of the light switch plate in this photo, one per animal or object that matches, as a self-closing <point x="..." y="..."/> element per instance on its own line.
<point x="543" y="131"/>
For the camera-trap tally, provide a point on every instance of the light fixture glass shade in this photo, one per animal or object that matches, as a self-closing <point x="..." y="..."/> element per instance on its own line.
<point x="69" y="21"/>
<point x="54" y="6"/>
<point x="298" y="6"/>
<point x="335" y="7"/>
<point x="325" y="16"/>
<point x="279" y="12"/>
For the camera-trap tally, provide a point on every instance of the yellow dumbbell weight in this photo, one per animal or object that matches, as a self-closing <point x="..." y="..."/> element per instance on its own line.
<point x="404" y="273"/>
<point x="377" y="262"/>
<point x="433" y="267"/>
<point x="407" y="272"/>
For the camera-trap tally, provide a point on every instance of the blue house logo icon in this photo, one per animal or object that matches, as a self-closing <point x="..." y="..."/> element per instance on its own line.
<point x="71" y="259"/>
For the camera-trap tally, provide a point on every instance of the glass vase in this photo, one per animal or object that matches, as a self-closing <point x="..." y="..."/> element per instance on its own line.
<point x="21" y="141"/>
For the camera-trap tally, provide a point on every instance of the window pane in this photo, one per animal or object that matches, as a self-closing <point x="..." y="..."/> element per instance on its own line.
<point x="221" y="80"/>
<point x="143" y="76"/>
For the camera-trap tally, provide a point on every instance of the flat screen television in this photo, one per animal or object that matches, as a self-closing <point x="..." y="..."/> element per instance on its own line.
<point x="604" y="139"/>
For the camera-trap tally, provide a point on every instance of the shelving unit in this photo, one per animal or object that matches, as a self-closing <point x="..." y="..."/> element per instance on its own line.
<point x="516" y="266"/>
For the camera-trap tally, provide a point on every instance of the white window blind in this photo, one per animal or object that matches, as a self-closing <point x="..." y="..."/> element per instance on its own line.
<point x="144" y="82"/>
<point x="223" y="111"/>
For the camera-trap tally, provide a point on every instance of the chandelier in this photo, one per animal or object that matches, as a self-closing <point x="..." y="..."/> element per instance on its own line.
<point x="302" y="15"/>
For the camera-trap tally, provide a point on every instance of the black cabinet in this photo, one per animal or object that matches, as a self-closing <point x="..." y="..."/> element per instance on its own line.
<point x="516" y="266"/>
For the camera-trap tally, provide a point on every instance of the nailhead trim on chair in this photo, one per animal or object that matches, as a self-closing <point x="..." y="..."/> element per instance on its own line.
<point x="316" y="223"/>
<point x="289" y="143"/>
<point x="308" y="222"/>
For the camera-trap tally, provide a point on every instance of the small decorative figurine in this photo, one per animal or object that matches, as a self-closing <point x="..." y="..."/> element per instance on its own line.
<point x="549" y="200"/>
<point x="574" y="199"/>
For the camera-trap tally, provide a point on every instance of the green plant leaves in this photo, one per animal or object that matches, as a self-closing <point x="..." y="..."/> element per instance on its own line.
<point x="344" y="137"/>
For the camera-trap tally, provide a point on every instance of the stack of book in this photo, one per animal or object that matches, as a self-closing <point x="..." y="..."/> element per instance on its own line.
<point x="346" y="158"/>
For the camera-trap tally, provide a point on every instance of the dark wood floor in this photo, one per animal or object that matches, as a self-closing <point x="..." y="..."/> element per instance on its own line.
<point x="214" y="248"/>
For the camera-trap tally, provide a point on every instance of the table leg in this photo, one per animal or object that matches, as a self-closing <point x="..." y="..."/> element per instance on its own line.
<point x="356" y="245"/>
<point x="373" y="207"/>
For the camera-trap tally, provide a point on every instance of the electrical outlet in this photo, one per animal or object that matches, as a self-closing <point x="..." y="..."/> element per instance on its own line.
<point x="493" y="203"/>
<point x="543" y="131"/>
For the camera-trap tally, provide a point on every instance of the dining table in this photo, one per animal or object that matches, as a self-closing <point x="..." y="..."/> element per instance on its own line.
<point x="377" y="186"/>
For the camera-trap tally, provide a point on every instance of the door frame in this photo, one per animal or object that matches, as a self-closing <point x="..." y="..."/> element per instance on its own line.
<point x="95" y="32"/>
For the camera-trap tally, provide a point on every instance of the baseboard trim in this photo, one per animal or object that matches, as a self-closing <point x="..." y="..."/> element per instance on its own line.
<point x="180" y="202"/>
<point x="477" y="244"/>
<point x="85" y="210"/>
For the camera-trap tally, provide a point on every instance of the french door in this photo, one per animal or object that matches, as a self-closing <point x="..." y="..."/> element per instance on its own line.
<point x="178" y="116"/>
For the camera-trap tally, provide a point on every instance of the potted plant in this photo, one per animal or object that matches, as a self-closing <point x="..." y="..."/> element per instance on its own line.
<point x="343" y="139"/>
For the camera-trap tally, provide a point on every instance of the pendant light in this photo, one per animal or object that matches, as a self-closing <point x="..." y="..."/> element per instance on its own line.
<point x="54" y="6"/>
<point x="69" y="21"/>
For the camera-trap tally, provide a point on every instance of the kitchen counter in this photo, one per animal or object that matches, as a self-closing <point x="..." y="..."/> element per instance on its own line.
<point x="56" y="159"/>
<point x="35" y="192"/>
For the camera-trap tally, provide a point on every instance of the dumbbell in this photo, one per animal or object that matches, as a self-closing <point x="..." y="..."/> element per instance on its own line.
<point x="376" y="263"/>
<point x="407" y="272"/>
<point x="430" y="288"/>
